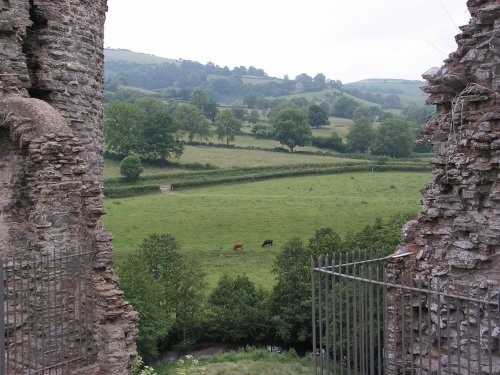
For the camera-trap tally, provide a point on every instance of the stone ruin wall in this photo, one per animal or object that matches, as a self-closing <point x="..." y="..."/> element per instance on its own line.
<point x="51" y="162"/>
<point x="51" y="165"/>
<point x="455" y="239"/>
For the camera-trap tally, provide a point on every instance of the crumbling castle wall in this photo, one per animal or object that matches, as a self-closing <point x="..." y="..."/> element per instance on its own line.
<point x="51" y="202"/>
<point x="455" y="240"/>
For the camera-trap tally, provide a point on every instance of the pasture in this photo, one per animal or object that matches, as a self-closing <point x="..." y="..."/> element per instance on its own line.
<point x="232" y="158"/>
<point x="228" y="158"/>
<point x="208" y="220"/>
<point x="339" y="124"/>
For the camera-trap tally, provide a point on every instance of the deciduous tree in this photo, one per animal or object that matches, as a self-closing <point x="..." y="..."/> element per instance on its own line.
<point x="290" y="303"/>
<point x="238" y="310"/>
<point x="191" y="121"/>
<point x="394" y="138"/>
<point x="227" y="125"/>
<point x="158" y="138"/>
<point x="181" y="278"/>
<point x="146" y="294"/>
<point x="317" y="116"/>
<point x="122" y="124"/>
<point x="291" y="128"/>
<point x="360" y="135"/>
<point x="344" y="107"/>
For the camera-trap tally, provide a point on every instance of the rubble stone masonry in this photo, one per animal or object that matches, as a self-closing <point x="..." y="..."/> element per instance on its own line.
<point x="51" y="164"/>
<point x="455" y="239"/>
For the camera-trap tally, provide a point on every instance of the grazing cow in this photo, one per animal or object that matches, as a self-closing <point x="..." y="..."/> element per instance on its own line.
<point x="238" y="245"/>
<point x="267" y="243"/>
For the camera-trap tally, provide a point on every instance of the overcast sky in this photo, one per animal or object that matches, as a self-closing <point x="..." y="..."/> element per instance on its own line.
<point x="348" y="40"/>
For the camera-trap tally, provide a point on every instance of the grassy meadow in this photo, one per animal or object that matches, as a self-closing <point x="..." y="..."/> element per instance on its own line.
<point x="208" y="220"/>
<point x="228" y="158"/>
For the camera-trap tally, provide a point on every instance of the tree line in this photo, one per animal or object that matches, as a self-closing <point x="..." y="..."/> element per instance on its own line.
<point x="169" y="291"/>
<point x="152" y="129"/>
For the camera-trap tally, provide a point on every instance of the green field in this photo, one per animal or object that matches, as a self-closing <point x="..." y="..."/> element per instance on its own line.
<point x="208" y="220"/>
<point x="228" y="158"/>
<point x="340" y="125"/>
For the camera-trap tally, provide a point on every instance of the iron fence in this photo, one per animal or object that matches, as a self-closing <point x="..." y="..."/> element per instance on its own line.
<point x="47" y="309"/>
<point x="377" y="317"/>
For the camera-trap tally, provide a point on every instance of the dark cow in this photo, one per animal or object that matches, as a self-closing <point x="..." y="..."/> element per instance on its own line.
<point x="238" y="245"/>
<point x="267" y="243"/>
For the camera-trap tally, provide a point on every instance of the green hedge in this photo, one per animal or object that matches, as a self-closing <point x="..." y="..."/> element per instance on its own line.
<point x="117" y="188"/>
<point x="130" y="191"/>
<point x="297" y="173"/>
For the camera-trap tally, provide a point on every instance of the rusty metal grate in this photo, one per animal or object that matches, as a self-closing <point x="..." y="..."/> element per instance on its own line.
<point x="47" y="314"/>
<point x="369" y="318"/>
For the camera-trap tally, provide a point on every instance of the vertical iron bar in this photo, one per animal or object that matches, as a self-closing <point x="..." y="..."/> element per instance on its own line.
<point x="438" y="329"/>
<point x="403" y="322"/>
<point x="45" y="304"/>
<point x="429" y="322"/>
<point x="313" y="313"/>
<point x="320" y="315"/>
<point x="363" y="323"/>
<point x="2" y="320"/>
<point x="334" y="315"/>
<point x="348" y="333"/>
<point x="468" y="335"/>
<point x="395" y="325"/>
<point x="385" y="317"/>
<point x="61" y="302"/>
<point x="479" y="351"/>
<point x="88" y="291"/>
<point x="7" y="313"/>
<point x="448" y="323"/>
<point x="371" y="316"/>
<point x="341" y="292"/>
<point x="366" y="318"/>
<point x="29" y="309"/>
<point x="490" y="346"/>
<point x="355" y="310"/>
<point x="15" y="304"/>
<point x="21" y="312"/>
<point x="83" y="275"/>
<point x="420" y="321"/>
<point x="56" y="317"/>
<point x="379" y="321"/>
<point x="327" y="316"/>
<point x="411" y="320"/>
<point x="35" y="317"/>
<point x="459" y="345"/>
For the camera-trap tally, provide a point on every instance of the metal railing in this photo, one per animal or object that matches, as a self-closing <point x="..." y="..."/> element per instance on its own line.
<point x="46" y="304"/>
<point x="375" y="317"/>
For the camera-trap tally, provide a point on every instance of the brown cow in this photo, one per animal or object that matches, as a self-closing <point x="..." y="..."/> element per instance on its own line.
<point x="238" y="245"/>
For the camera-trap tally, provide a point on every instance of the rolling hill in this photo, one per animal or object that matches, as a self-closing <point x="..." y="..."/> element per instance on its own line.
<point x="128" y="70"/>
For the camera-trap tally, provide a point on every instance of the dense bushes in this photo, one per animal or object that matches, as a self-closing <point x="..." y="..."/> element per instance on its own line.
<point x="131" y="167"/>
<point x="168" y="290"/>
<point x="334" y="142"/>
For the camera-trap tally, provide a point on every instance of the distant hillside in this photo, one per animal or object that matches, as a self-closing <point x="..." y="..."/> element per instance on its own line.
<point x="125" y="70"/>
<point x="126" y="55"/>
<point x="408" y="91"/>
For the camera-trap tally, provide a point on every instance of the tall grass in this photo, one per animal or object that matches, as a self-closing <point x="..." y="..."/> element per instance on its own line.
<point x="247" y="361"/>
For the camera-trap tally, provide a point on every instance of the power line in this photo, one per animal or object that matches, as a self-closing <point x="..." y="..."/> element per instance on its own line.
<point x="448" y="14"/>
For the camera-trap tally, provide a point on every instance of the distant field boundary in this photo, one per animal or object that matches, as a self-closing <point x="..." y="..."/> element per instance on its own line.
<point x="229" y="176"/>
